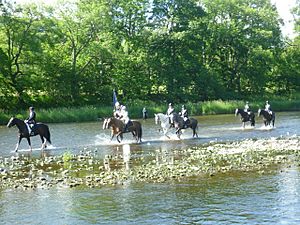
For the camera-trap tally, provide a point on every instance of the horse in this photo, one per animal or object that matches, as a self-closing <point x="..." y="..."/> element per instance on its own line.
<point x="117" y="128"/>
<point x="179" y="124"/>
<point x="164" y="121"/>
<point x="245" y="117"/>
<point x="39" y="129"/>
<point x="267" y="117"/>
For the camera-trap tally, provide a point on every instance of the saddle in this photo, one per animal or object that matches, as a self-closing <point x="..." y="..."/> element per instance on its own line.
<point x="129" y="124"/>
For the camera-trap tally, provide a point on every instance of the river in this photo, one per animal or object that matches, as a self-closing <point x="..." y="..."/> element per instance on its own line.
<point x="236" y="197"/>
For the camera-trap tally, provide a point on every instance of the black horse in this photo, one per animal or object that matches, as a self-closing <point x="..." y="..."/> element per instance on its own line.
<point x="39" y="129"/>
<point x="245" y="117"/>
<point x="267" y="117"/>
<point x="180" y="124"/>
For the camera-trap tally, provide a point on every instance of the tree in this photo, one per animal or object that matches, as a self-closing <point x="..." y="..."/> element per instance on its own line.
<point x="20" y="45"/>
<point x="243" y="37"/>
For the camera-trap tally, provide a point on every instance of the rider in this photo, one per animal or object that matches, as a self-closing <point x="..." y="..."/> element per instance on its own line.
<point x="124" y="117"/>
<point x="247" y="108"/>
<point x="31" y="121"/>
<point x="170" y="113"/>
<point x="117" y="110"/>
<point x="184" y="115"/>
<point x="268" y="108"/>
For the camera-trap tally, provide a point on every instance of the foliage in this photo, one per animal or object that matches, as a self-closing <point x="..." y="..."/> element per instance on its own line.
<point x="75" y="53"/>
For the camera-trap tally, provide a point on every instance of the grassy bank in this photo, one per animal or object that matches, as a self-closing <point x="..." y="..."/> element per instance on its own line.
<point x="94" y="113"/>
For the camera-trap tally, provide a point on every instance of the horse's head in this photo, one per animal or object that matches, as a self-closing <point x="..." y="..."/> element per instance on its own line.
<point x="11" y="122"/>
<point x="258" y="112"/>
<point x="106" y="123"/>
<point x="157" y="119"/>
<point x="236" y="112"/>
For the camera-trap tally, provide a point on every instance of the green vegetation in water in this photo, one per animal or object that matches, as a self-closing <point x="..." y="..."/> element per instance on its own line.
<point x="94" y="113"/>
<point x="86" y="169"/>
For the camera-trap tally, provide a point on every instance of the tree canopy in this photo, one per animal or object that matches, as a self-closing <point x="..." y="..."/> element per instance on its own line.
<point x="77" y="52"/>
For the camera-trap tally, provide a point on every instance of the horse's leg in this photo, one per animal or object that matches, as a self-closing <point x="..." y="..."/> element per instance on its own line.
<point x="118" y="136"/>
<point x="44" y="141"/>
<point x="194" y="132"/>
<point x="29" y="142"/>
<point x="112" y="136"/>
<point x="178" y="132"/>
<point x="18" y="143"/>
<point x="165" y="132"/>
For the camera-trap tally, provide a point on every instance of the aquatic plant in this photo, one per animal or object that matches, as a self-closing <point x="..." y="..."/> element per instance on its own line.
<point x="86" y="169"/>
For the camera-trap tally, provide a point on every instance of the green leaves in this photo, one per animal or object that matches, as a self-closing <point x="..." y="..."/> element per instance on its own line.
<point x="177" y="50"/>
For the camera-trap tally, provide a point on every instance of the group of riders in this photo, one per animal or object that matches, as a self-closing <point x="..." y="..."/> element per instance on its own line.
<point x="120" y="112"/>
<point x="267" y="108"/>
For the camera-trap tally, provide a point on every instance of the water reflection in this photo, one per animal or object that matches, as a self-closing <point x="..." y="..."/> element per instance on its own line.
<point x="126" y="155"/>
<point x="164" y="155"/>
<point x="243" y="198"/>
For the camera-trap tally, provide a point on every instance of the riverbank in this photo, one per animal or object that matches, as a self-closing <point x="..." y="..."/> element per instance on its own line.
<point x="94" y="113"/>
<point x="87" y="170"/>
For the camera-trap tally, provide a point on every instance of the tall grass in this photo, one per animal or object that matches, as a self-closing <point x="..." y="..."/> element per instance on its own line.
<point x="94" y="113"/>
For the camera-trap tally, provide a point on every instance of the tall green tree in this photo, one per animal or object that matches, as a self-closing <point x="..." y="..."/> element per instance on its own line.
<point x="243" y="37"/>
<point x="20" y="49"/>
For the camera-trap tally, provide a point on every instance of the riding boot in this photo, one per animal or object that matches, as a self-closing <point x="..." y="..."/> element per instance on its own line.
<point x="32" y="131"/>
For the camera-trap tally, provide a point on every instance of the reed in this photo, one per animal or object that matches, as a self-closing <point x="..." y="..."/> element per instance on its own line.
<point x="94" y="113"/>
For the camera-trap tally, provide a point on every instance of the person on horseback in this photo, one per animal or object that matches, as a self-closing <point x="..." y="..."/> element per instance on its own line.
<point x="31" y="120"/>
<point x="125" y="118"/>
<point x="268" y="108"/>
<point x="247" y="108"/>
<point x="117" y="110"/>
<point x="184" y="115"/>
<point x="170" y="113"/>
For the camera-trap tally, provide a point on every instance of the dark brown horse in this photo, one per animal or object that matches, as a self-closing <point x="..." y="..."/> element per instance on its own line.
<point x="245" y="117"/>
<point x="180" y="124"/>
<point x="267" y="117"/>
<point x="117" y="128"/>
<point x="39" y="129"/>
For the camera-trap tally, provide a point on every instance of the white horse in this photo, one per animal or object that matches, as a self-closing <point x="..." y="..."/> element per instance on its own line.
<point x="164" y="122"/>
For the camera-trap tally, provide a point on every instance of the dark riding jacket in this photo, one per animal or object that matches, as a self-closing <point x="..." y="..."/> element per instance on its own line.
<point x="184" y="113"/>
<point x="31" y="118"/>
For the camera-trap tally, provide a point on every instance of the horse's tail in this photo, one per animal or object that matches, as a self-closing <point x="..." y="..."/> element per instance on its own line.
<point x="48" y="135"/>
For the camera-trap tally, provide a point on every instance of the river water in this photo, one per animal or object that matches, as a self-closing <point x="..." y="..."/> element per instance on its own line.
<point x="239" y="197"/>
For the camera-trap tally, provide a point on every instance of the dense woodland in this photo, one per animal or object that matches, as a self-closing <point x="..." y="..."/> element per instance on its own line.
<point x="76" y="53"/>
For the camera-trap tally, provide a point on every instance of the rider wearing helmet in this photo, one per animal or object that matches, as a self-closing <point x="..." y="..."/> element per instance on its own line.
<point x="268" y="108"/>
<point x="124" y="117"/>
<point x="31" y="121"/>
<point x="184" y="115"/>
<point x="117" y="110"/>
<point x="247" y="108"/>
<point x="170" y="113"/>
